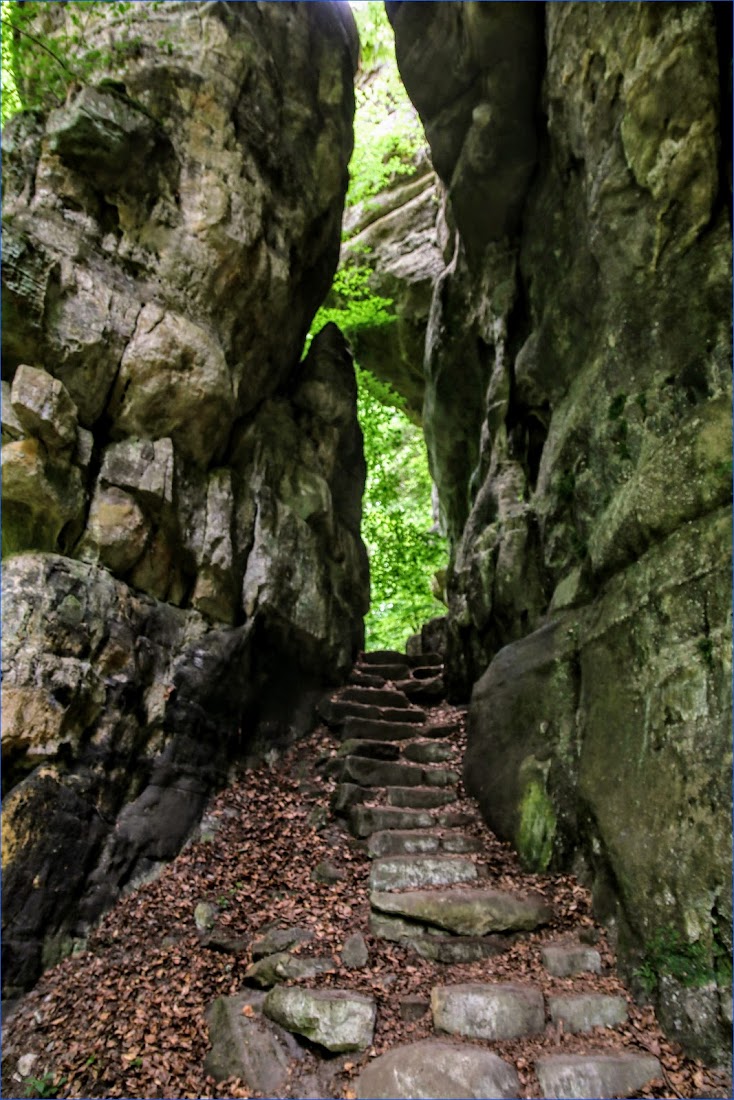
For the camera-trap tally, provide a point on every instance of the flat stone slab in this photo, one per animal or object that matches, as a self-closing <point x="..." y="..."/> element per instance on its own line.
<point x="382" y="657"/>
<point x="366" y="679"/>
<point x="283" y="967"/>
<point x="577" y="1076"/>
<point x="423" y="690"/>
<point x="443" y="729"/>
<point x="373" y="696"/>
<point x="433" y="945"/>
<point x="336" y="1019"/>
<point x="424" y="798"/>
<point x="455" y="819"/>
<point x="409" y="872"/>
<point x="364" y="820"/>
<point x="384" y="773"/>
<point x="336" y="711"/>
<point x="375" y="750"/>
<point x="345" y="796"/>
<point x="466" y="912"/>
<point x="249" y="1047"/>
<point x="564" y="960"/>
<point x="430" y="659"/>
<point x="279" y="939"/>
<point x="483" y="1011"/>
<point x="413" y="842"/>
<point x="580" y="1012"/>
<point x="378" y="730"/>
<point x="433" y="1069"/>
<point x="428" y="752"/>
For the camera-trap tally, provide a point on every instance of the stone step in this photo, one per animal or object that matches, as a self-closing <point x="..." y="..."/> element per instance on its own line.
<point x="409" y="872"/>
<point x="335" y="712"/>
<point x="466" y="912"/>
<point x="442" y="730"/>
<point x="563" y="960"/>
<point x="386" y="773"/>
<point x="420" y="798"/>
<point x="365" y="679"/>
<point x="345" y="796"/>
<point x="373" y="696"/>
<point x="375" y="750"/>
<point x="379" y="730"/>
<point x="431" y="944"/>
<point x="428" y="752"/>
<point x="576" y="1076"/>
<point x="382" y="657"/>
<point x="425" y="660"/>
<point x="390" y="671"/>
<point x="579" y="1012"/>
<point x="422" y="690"/>
<point x="432" y="1068"/>
<point x="406" y="842"/>
<point x="365" y="820"/>
<point x="500" y="1010"/>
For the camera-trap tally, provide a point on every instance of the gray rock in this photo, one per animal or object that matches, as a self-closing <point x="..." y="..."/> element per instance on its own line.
<point x="564" y="960"/>
<point x="377" y="729"/>
<point x="404" y="872"/>
<point x="355" y="954"/>
<point x="413" y="1008"/>
<point x="205" y="915"/>
<point x="44" y="408"/>
<point x="376" y="750"/>
<point x="336" y="1018"/>
<point x="283" y="967"/>
<point x="280" y="939"/>
<point x="364" y="820"/>
<point x="428" y="752"/>
<point x="327" y="872"/>
<point x="464" y="911"/>
<point x="377" y="697"/>
<point x="498" y="1011"/>
<point x="403" y="842"/>
<point x="574" y="1077"/>
<point x="347" y="795"/>
<point x="584" y="1011"/>
<point x="424" y="798"/>
<point x="434" y="1069"/>
<point x="249" y="1047"/>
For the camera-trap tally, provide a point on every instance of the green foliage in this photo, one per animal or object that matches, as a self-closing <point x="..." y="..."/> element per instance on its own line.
<point x="49" y="47"/>
<point x="668" y="953"/>
<point x="566" y="485"/>
<point x="351" y="305"/>
<point x="387" y="131"/>
<point x="47" y="1085"/>
<point x="616" y="406"/>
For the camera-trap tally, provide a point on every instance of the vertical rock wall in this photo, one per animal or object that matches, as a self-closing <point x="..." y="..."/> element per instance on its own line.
<point x="183" y="567"/>
<point x="577" y="415"/>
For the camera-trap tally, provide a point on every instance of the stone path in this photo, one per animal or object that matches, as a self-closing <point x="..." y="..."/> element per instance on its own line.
<point x="396" y="786"/>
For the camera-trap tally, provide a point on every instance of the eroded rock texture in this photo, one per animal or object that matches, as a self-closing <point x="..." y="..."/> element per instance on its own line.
<point x="182" y="498"/>
<point x="577" y="415"/>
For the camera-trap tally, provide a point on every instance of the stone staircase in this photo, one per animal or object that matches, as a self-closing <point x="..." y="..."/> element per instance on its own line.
<point x="397" y="772"/>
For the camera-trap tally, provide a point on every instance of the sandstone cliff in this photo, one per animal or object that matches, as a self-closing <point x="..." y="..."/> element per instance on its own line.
<point x="183" y="568"/>
<point x="577" y="415"/>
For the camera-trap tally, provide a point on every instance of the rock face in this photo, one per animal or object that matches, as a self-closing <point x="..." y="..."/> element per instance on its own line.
<point x="577" y="416"/>
<point x="182" y="498"/>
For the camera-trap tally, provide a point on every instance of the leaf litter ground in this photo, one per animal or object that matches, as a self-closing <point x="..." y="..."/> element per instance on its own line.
<point x="126" y="1017"/>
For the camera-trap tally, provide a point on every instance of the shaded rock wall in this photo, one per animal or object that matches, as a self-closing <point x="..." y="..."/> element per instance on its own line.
<point x="181" y="498"/>
<point x="577" y="415"/>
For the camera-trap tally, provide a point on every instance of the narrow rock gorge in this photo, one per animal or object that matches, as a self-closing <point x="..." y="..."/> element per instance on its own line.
<point x="183" y="573"/>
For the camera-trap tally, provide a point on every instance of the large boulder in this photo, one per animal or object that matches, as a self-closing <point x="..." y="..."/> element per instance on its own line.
<point x="577" y="417"/>
<point x="184" y="573"/>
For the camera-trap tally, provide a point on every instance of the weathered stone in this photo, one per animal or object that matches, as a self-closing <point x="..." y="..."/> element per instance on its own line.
<point x="335" y="1018"/>
<point x="466" y="912"/>
<point x="423" y="798"/>
<point x="405" y="872"/>
<point x="280" y="939"/>
<point x="428" y="752"/>
<point x="375" y="750"/>
<point x="384" y="773"/>
<point x="327" y="872"/>
<point x="355" y="954"/>
<point x="345" y="796"/>
<point x="44" y="408"/>
<point x="432" y="1068"/>
<point x="584" y="1011"/>
<point x="575" y="1076"/>
<point x="403" y="842"/>
<point x="335" y="713"/>
<point x="459" y="949"/>
<point x="117" y="530"/>
<point x="378" y="697"/>
<point x="364" y="820"/>
<point x="413" y="1008"/>
<point x="283" y="967"/>
<point x="564" y="960"/>
<point x="377" y="729"/>
<point x="205" y="915"/>
<point x="41" y="501"/>
<point x="498" y="1011"/>
<point x="249" y="1047"/>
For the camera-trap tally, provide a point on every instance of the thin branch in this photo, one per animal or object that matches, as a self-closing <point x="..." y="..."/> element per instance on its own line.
<point x="27" y="34"/>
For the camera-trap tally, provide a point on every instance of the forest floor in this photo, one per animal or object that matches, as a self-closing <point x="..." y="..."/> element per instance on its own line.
<point x="126" y="1017"/>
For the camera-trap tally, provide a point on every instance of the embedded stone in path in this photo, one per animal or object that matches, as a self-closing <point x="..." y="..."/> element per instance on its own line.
<point x="443" y="729"/>
<point x="423" y="798"/>
<point x="563" y="960"/>
<point x="394" y="671"/>
<point x="283" y="967"/>
<point x="364" y="820"/>
<point x="407" y="842"/>
<point x="249" y="1047"/>
<point x="375" y="750"/>
<point x="378" y="730"/>
<point x="376" y="697"/>
<point x="584" y="1011"/>
<point x="409" y="872"/>
<point x="382" y="657"/>
<point x="345" y="796"/>
<point x="427" y="752"/>
<point x="436" y="1069"/>
<point x="576" y="1076"/>
<point x="336" y="1019"/>
<point x="387" y="773"/>
<point x="431" y="944"/>
<point x="479" y="1011"/>
<point x="366" y="679"/>
<point x="467" y="912"/>
<point x="335" y="712"/>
